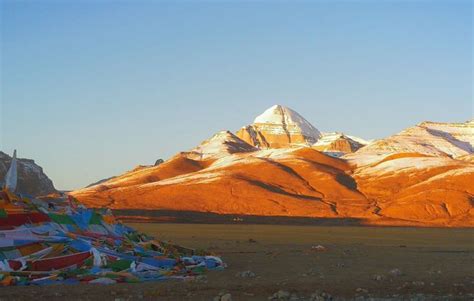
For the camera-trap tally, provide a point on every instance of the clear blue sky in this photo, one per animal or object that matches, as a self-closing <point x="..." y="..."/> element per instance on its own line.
<point x="90" y="89"/>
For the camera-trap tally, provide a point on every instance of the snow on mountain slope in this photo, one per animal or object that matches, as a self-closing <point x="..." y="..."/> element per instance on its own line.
<point x="360" y="140"/>
<point x="279" y="127"/>
<point x="338" y="144"/>
<point x="401" y="189"/>
<point x="221" y="144"/>
<point x="297" y="182"/>
<point x="420" y="176"/>
<point x="436" y="139"/>
<point x="420" y="188"/>
<point x="462" y="132"/>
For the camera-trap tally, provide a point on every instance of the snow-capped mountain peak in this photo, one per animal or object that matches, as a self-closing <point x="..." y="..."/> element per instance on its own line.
<point x="286" y="117"/>
<point x="279" y="127"/>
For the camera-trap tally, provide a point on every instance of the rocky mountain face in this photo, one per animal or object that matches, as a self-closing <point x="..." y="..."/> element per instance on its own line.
<point x="279" y="127"/>
<point x="31" y="178"/>
<point x="338" y="144"/>
<point x="283" y="166"/>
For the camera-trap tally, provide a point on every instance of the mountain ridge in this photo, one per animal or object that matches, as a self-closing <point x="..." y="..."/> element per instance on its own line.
<point x="382" y="183"/>
<point x="282" y="127"/>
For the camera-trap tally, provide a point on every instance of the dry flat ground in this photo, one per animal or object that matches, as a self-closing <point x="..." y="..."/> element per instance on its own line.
<point x="433" y="264"/>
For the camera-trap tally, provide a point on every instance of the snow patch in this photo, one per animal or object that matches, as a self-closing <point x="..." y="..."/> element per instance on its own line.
<point x="409" y="163"/>
<point x="221" y="144"/>
<point x="438" y="139"/>
<point x="188" y="179"/>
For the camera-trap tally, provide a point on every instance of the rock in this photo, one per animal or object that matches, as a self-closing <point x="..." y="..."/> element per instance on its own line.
<point x="404" y="285"/>
<point x="223" y="296"/>
<point x="395" y="272"/>
<point x="318" y="248"/>
<point x="378" y="277"/>
<point x="201" y="278"/>
<point x="320" y="296"/>
<point x="362" y="290"/>
<point x="246" y="274"/>
<point x="294" y="297"/>
<point x="418" y="297"/>
<point x="226" y="297"/>
<point x="418" y="283"/>
<point x="103" y="280"/>
<point x="280" y="295"/>
<point x="312" y="272"/>
<point x="340" y="265"/>
<point x="252" y="241"/>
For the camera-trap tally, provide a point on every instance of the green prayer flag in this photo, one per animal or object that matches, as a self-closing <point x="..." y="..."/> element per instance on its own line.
<point x="61" y="219"/>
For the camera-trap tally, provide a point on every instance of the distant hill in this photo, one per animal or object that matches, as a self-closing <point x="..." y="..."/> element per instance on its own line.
<point x="31" y="178"/>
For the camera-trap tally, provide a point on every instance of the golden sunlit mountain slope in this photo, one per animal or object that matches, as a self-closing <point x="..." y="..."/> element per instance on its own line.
<point x="420" y="188"/>
<point x="299" y="183"/>
<point x="291" y="183"/>
<point x="412" y="178"/>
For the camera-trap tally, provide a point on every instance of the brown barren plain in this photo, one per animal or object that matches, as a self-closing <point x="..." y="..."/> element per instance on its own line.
<point x="358" y="262"/>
